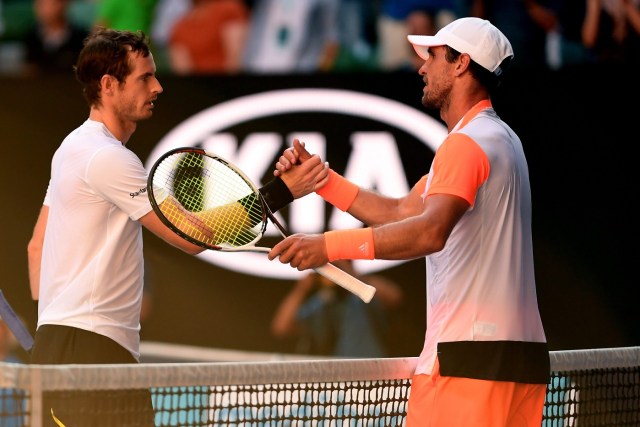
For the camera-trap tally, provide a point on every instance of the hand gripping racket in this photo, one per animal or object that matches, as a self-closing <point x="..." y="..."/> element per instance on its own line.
<point x="211" y="203"/>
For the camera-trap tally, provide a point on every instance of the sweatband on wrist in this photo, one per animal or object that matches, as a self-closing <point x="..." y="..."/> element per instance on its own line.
<point x="339" y="191"/>
<point x="276" y="194"/>
<point x="350" y="244"/>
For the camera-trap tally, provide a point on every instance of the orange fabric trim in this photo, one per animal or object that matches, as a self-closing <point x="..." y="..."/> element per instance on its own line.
<point x="485" y="103"/>
<point x="339" y="191"/>
<point x="460" y="167"/>
<point x="350" y="244"/>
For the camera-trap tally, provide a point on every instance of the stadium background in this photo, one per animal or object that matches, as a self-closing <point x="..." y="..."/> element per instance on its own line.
<point x="577" y="135"/>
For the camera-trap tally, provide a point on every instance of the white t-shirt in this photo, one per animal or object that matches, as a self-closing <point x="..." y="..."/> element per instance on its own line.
<point x="92" y="261"/>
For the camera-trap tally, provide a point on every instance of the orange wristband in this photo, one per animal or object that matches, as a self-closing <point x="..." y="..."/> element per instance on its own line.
<point x="350" y="244"/>
<point x="339" y="191"/>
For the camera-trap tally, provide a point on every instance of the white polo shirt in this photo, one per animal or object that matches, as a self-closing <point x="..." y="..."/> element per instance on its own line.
<point x="92" y="262"/>
<point x="481" y="286"/>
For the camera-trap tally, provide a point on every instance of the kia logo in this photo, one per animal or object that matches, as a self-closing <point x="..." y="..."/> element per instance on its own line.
<point x="373" y="159"/>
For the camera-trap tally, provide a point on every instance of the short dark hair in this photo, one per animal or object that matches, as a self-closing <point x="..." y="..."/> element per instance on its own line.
<point x="106" y="51"/>
<point x="489" y="80"/>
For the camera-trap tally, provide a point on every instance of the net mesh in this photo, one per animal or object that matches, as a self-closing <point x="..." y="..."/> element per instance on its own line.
<point x="599" y="387"/>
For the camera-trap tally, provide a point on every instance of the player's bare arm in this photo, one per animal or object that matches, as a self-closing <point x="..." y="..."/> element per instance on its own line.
<point x="373" y="208"/>
<point x="152" y="222"/>
<point x="399" y="240"/>
<point x="34" y="250"/>
<point x="393" y="241"/>
<point x="369" y="207"/>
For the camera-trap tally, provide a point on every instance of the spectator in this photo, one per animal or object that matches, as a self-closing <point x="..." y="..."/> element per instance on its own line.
<point x="1" y="20"/>
<point x="594" y="31"/>
<point x="83" y="13"/>
<point x="292" y="36"/>
<point x="398" y="18"/>
<point x="526" y="23"/>
<point x="165" y="15"/>
<point x="357" y="35"/>
<point x="209" y="38"/>
<point x="571" y="49"/>
<point x="632" y="8"/>
<point x="54" y="43"/>
<point x="131" y="15"/>
<point x="330" y="321"/>
<point x="608" y="29"/>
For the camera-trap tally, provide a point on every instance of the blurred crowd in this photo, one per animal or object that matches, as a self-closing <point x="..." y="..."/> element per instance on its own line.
<point x="311" y="36"/>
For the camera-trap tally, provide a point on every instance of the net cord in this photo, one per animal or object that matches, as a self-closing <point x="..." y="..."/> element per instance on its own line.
<point x="146" y="375"/>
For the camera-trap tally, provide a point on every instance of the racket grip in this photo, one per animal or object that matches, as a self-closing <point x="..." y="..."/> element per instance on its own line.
<point x="342" y="278"/>
<point x="14" y="323"/>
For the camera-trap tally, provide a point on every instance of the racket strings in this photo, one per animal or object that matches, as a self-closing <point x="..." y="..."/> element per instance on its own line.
<point x="215" y="205"/>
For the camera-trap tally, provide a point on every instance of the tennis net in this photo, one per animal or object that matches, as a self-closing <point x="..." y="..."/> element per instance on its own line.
<point x="596" y="387"/>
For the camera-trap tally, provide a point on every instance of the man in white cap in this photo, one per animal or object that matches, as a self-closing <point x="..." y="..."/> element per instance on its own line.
<point x="485" y="360"/>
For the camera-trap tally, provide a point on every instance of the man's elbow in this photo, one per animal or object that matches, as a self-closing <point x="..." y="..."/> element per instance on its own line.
<point x="431" y="244"/>
<point x="193" y="250"/>
<point x="34" y="251"/>
<point x="438" y="245"/>
<point x="34" y="246"/>
<point x="186" y="247"/>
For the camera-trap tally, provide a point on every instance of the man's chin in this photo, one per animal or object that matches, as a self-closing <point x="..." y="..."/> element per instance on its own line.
<point x="146" y="116"/>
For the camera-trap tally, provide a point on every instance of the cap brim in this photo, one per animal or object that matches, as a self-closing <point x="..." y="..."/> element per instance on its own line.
<point x="421" y="44"/>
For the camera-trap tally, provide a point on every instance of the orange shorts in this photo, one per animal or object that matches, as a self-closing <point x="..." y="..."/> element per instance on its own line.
<point x="436" y="401"/>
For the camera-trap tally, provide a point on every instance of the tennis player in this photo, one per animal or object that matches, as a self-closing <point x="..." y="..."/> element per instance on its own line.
<point x="485" y="360"/>
<point x="85" y="255"/>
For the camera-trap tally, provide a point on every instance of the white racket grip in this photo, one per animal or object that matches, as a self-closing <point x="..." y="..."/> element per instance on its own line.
<point x="342" y="278"/>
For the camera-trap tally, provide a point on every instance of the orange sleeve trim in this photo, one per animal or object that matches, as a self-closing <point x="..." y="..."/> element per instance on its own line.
<point x="350" y="244"/>
<point x="460" y="167"/>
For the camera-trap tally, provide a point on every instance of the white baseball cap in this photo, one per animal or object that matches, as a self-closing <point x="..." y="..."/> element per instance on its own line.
<point x="477" y="37"/>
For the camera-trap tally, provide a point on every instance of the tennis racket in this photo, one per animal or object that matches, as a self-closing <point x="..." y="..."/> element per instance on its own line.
<point x="14" y="323"/>
<point x="211" y="203"/>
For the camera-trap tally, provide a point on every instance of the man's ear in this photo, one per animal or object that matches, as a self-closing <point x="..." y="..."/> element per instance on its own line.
<point x="108" y="83"/>
<point x="463" y="63"/>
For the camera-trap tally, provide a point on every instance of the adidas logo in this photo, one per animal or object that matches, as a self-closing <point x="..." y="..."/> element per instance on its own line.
<point x="364" y="248"/>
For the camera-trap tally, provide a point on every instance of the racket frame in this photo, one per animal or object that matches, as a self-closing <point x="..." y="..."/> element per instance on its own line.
<point x="266" y="212"/>
<point x="354" y="285"/>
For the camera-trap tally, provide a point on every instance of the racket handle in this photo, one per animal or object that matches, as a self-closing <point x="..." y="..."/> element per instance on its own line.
<point x="342" y="278"/>
<point x="14" y="323"/>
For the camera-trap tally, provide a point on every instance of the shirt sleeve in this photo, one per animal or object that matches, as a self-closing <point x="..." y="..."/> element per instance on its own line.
<point x="117" y="175"/>
<point x="460" y="167"/>
<point x="47" y="197"/>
